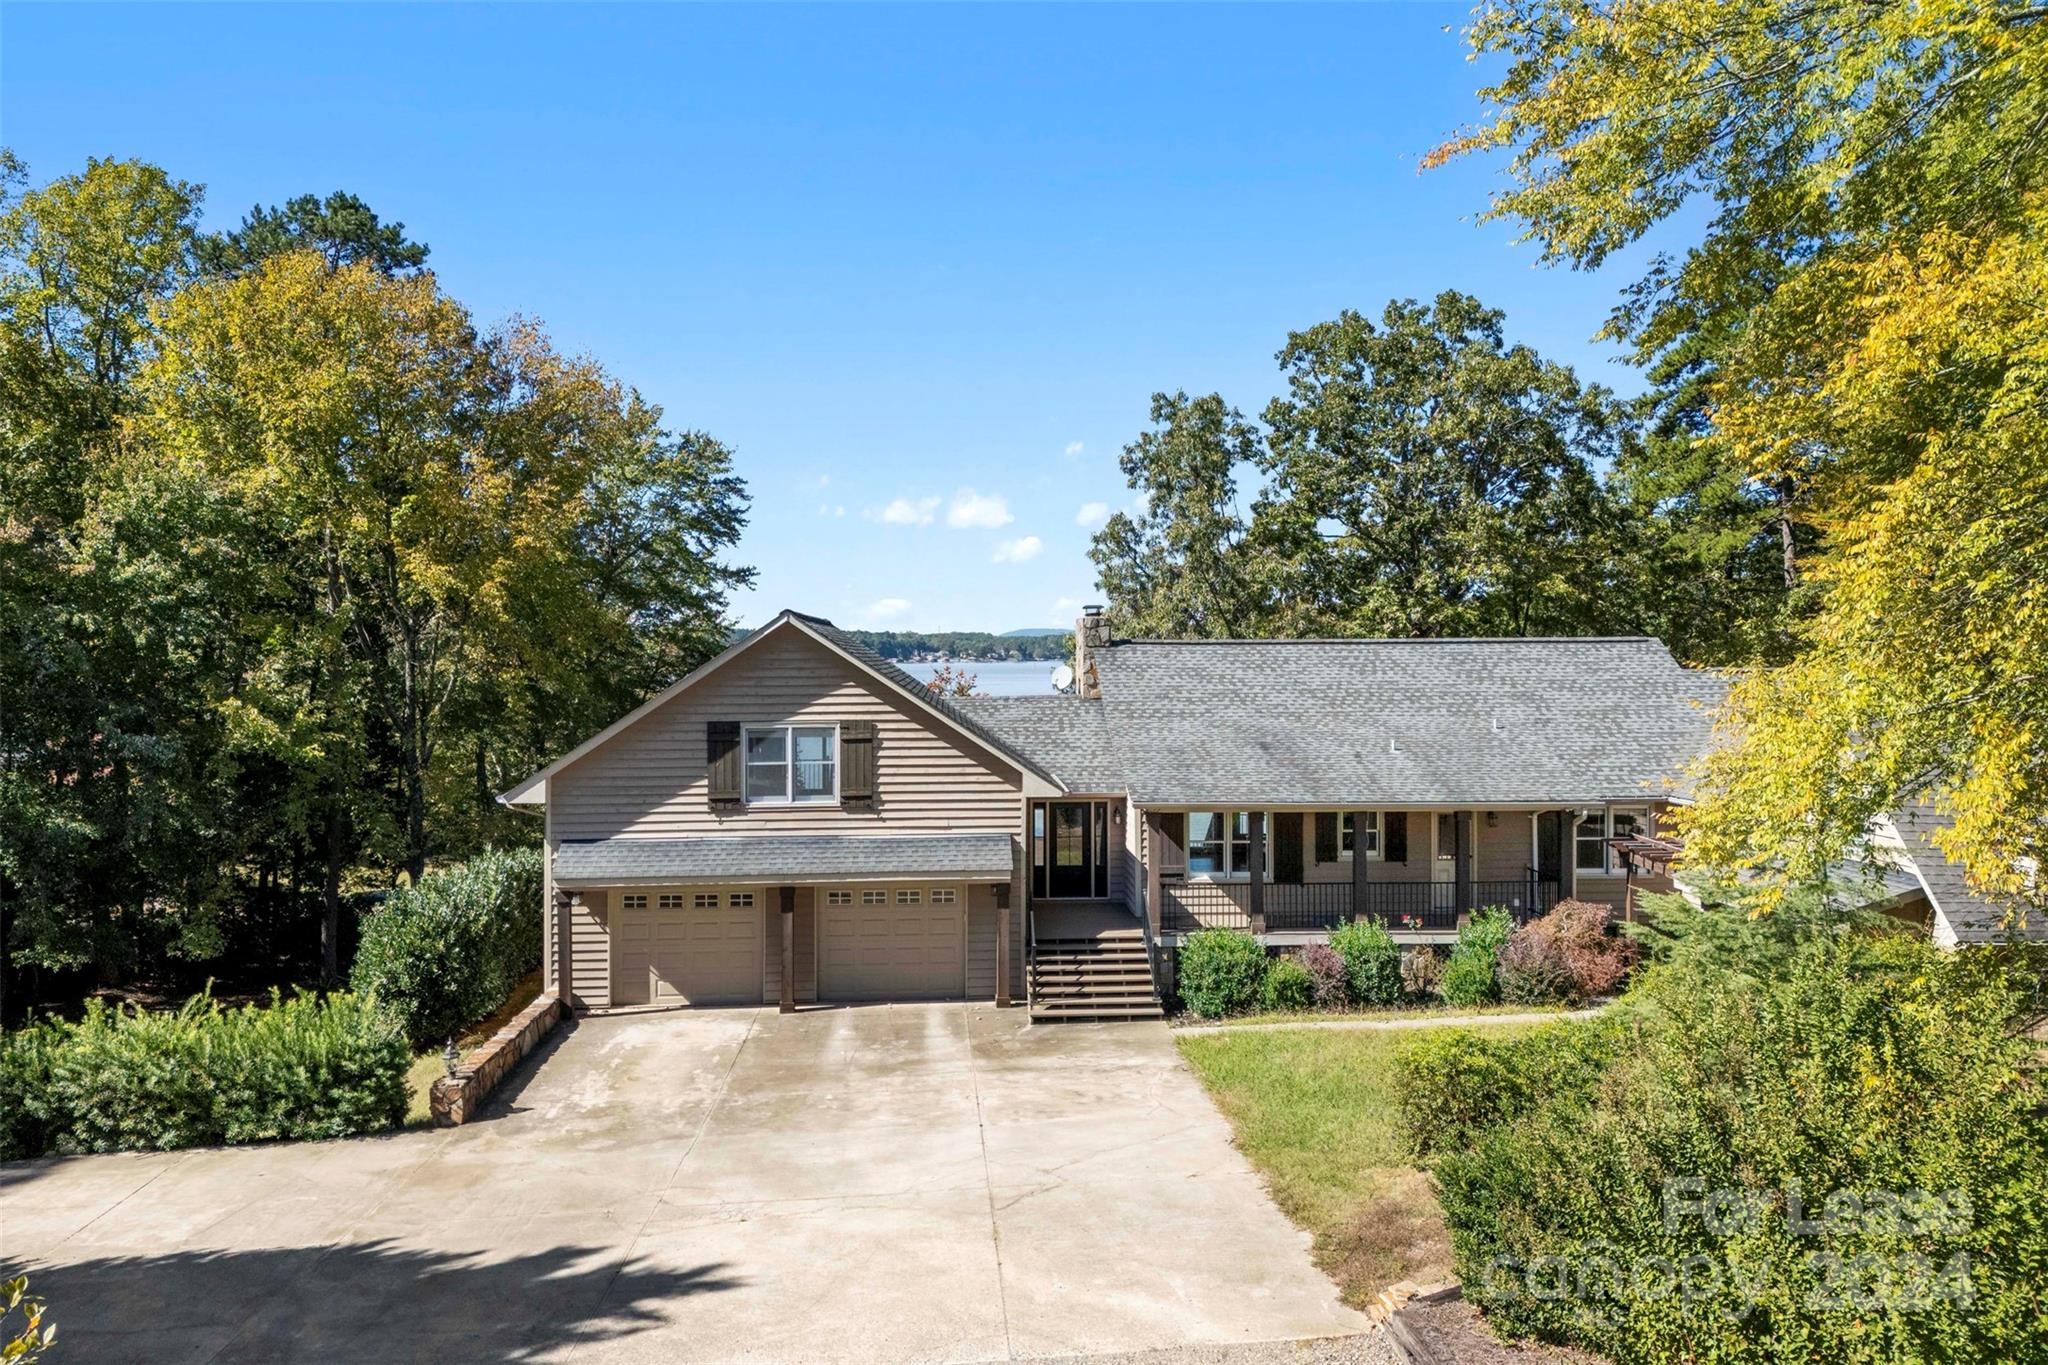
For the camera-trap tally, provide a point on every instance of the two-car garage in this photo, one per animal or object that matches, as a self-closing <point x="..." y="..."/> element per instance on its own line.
<point x="708" y="945"/>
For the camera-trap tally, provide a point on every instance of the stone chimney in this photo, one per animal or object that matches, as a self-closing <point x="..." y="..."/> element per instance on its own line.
<point x="1091" y="633"/>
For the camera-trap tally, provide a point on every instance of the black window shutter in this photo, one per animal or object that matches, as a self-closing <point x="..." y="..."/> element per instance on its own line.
<point x="1394" y="828"/>
<point x="1326" y="836"/>
<point x="857" y="762"/>
<point x="722" y="761"/>
<point x="1287" y="847"/>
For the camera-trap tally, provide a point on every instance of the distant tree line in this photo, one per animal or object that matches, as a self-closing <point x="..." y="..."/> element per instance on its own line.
<point x="977" y="645"/>
<point x="298" y="566"/>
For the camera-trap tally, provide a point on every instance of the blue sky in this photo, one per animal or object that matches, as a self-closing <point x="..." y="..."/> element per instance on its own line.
<point x="922" y="268"/>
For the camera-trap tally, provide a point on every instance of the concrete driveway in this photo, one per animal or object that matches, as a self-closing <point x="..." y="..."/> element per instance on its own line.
<point x="927" y="1182"/>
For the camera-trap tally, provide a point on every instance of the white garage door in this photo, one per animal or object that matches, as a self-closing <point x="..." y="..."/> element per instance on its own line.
<point x="892" y="943"/>
<point x="687" y="948"/>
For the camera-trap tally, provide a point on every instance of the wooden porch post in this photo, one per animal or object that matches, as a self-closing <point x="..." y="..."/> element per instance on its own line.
<point x="1361" y="867"/>
<point x="1002" y="945"/>
<point x="1462" y="872"/>
<point x="1154" y="847"/>
<point x="1255" y="907"/>
<point x="788" y="1003"/>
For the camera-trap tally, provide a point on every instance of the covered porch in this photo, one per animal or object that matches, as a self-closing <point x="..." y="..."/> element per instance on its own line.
<point x="1419" y="871"/>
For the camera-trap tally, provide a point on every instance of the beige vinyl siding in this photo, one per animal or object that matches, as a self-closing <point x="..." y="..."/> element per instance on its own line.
<point x="804" y="942"/>
<point x="1605" y="890"/>
<point x="981" y="941"/>
<point x="1503" y="848"/>
<point x="590" y="955"/>
<point x="1415" y="869"/>
<point x="649" y="780"/>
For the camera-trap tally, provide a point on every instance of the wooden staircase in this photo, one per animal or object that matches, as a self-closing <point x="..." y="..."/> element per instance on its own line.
<point x="1102" y="974"/>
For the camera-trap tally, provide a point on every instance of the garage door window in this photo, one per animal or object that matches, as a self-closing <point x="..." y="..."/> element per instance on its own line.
<point x="874" y="898"/>
<point x="704" y="900"/>
<point x="669" y="902"/>
<point x="909" y="897"/>
<point x="944" y="895"/>
<point x="839" y="898"/>
<point x="741" y="900"/>
<point x="632" y="902"/>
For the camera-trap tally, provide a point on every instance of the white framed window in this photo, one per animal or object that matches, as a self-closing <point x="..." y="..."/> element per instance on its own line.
<point x="633" y="900"/>
<point x="669" y="901"/>
<point x="1595" y="828"/>
<point x="1220" y="844"/>
<point x="874" y="898"/>
<point x="944" y="895"/>
<point x="1348" y="832"/>
<point x="741" y="900"/>
<point x="704" y="900"/>
<point x="839" y="898"/>
<point x="910" y="897"/>
<point x="788" y="764"/>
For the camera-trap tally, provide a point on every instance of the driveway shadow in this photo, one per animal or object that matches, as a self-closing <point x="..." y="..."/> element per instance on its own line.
<point x="370" y="1301"/>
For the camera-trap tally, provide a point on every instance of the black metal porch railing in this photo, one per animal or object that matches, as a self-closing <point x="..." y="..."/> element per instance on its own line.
<point x="1415" y="906"/>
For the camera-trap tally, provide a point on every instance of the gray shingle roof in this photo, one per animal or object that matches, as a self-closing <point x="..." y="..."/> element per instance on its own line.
<point x="1368" y="722"/>
<point x="600" y="862"/>
<point x="1067" y="737"/>
<point x="1974" y="918"/>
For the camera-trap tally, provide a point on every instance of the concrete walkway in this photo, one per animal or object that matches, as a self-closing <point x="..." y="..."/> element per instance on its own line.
<point x="932" y="1182"/>
<point x="1424" y="1021"/>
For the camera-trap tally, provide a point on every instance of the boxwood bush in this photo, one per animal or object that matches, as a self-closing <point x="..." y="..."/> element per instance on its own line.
<point x="1372" y="961"/>
<point x="443" y="954"/>
<point x="121" y="1079"/>
<point x="1221" y="972"/>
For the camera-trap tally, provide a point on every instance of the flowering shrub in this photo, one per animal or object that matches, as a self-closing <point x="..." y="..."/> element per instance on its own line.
<point x="1331" y="977"/>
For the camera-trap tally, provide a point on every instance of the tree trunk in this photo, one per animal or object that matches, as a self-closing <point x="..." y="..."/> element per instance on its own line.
<point x="1786" y="549"/>
<point x="330" y="899"/>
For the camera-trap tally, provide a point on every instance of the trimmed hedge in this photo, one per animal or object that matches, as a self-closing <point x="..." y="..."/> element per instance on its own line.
<point x="445" y="953"/>
<point x="1221" y="971"/>
<point x="126" y="1080"/>
<point x="1372" y="961"/>
<point x="1846" y="1160"/>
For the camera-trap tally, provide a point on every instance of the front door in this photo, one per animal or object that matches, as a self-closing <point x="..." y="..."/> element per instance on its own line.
<point x="1073" y="849"/>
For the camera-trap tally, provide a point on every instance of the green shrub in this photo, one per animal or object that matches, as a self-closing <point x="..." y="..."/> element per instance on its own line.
<point x="1221" y="972"/>
<point x="127" y="1080"/>
<point x="1451" y="1085"/>
<point x="1372" y="961"/>
<point x="1470" y="976"/>
<point x="1289" y="986"/>
<point x="25" y="1090"/>
<point x="445" y="953"/>
<point x="1869" y="1071"/>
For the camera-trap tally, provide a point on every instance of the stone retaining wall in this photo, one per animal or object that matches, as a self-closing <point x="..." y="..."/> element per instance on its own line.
<point x="456" y="1099"/>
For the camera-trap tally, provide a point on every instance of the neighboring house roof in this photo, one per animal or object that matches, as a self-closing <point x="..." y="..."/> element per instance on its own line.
<point x="1373" y="722"/>
<point x="777" y="858"/>
<point x="533" y="790"/>
<point x="1068" y="737"/>
<point x="1960" y="914"/>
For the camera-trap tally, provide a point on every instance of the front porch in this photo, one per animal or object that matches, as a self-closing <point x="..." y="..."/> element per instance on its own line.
<point x="1412" y="907"/>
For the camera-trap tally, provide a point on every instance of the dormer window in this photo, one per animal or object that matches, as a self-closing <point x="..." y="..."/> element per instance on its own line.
<point x="790" y="764"/>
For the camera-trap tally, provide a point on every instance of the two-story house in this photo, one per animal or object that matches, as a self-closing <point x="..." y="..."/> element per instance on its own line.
<point x="799" y="820"/>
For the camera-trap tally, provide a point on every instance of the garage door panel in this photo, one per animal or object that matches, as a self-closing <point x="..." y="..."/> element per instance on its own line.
<point x="707" y="952"/>
<point x="891" y="952"/>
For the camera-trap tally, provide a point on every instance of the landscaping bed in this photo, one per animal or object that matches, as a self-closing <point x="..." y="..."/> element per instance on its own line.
<point x="1314" y="1111"/>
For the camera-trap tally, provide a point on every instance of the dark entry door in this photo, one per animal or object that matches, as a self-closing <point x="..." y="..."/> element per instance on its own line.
<point x="1073" y="850"/>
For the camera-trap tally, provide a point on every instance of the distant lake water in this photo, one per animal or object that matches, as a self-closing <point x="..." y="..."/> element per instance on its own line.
<point x="1030" y="678"/>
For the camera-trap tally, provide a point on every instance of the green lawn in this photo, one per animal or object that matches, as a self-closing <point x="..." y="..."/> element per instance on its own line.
<point x="1313" y="1110"/>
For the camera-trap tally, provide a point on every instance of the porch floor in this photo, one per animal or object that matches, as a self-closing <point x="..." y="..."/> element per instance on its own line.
<point x="1080" y="919"/>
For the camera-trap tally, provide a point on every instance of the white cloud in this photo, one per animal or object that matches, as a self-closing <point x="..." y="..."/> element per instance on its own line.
<point x="823" y="481"/>
<point x="977" y="511"/>
<point x="888" y="609"/>
<point x="1092" y="514"/>
<point x="831" y="509"/>
<point x="905" y="512"/>
<point x="1073" y="448"/>
<point x="1018" y="550"/>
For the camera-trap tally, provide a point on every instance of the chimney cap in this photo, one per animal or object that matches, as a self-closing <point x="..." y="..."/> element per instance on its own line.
<point x="1092" y="609"/>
